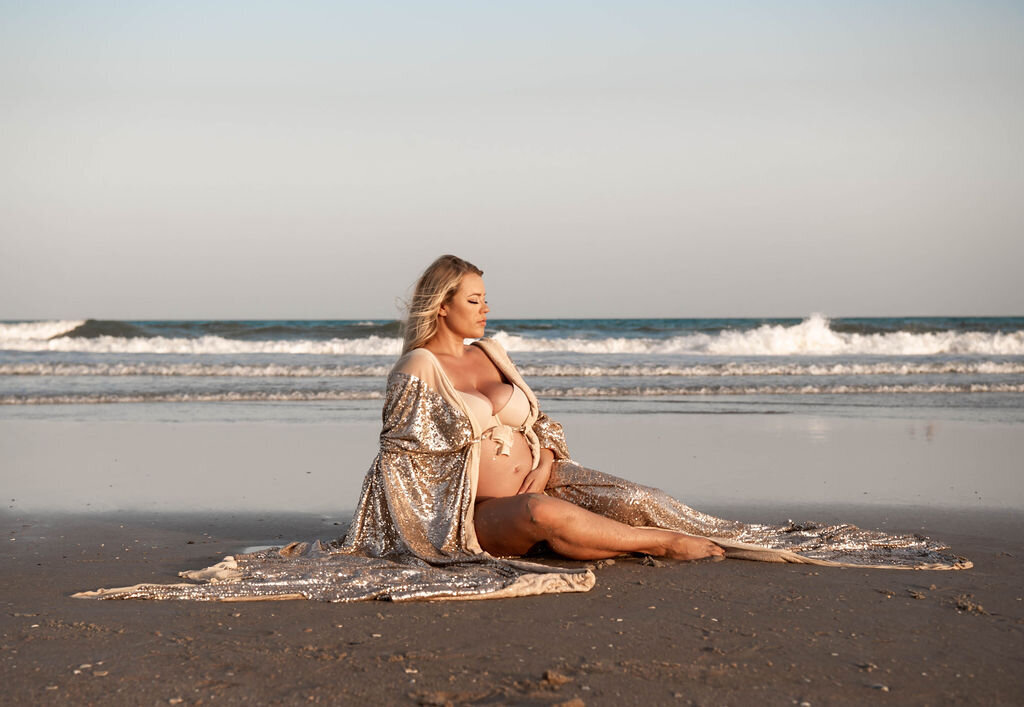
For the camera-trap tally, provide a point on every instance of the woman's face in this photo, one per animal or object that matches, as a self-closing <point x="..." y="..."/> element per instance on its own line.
<point x="466" y="314"/>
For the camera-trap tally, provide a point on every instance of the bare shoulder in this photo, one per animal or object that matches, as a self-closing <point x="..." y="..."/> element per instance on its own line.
<point x="483" y="366"/>
<point x="419" y="363"/>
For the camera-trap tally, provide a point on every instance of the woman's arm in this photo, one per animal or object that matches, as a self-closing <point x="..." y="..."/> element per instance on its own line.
<point x="416" y="494"/>
<point x="536" y="480"/>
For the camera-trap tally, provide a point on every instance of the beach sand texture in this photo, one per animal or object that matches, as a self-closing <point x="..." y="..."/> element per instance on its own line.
<point x="649" y="633"/>
<point x="702" y="633"/>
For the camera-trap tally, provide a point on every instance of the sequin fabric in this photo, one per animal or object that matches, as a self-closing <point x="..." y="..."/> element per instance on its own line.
<point x="550" y="435"/>
<point x="811" y="543"/>
<point x="412" y="535"/>
<point x="410" y="538"/>
<point x="416" y="496"/>
<point x="326" y="575"/>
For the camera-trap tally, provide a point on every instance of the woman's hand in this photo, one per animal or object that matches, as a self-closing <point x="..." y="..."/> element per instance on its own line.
<point x="536" y="480"/>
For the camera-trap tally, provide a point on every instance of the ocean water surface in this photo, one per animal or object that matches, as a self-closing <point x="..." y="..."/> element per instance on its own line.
<point x="769" y="413"/>
<point x="303" y="371"/>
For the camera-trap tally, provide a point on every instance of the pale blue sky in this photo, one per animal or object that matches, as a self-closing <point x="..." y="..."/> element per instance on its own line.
<point x="307" y="160"/>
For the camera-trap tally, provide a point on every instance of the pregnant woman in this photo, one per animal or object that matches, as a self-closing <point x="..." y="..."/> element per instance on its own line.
<point x="471" y="475"/>
<point x="511" y="512"/>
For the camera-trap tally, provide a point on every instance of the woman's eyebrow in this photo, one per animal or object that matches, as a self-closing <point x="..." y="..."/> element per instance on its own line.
<point x="477" y="294"/>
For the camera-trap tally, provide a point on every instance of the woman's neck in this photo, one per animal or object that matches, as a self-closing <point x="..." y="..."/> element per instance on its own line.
<point x="446" y="343"/>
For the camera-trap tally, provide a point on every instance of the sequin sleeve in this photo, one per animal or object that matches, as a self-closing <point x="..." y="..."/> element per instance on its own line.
<point x="416" y="495"/>
<point x="550" y="435"/>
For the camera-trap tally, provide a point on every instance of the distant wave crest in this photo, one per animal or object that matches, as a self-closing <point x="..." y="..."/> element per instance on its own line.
<point x="32" y="333"/>
<point x="232" y="396"/>
<point x="730" y="369"/>
<point x="571" y="392"/>
<point x="733" y="369"/>
<point x="367" y="346"/>
<point x="273" y="370"/>
<point x="837" y="389"/>
<point x="811" y="337"/>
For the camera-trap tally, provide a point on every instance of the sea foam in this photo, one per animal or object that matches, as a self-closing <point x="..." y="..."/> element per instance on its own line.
<point x="368" y="346"/>
<point x="230" y="396"/>
<point x="570" y="392"/>
<point x="811" y="337"/>
<point x="33" y="332"/>
<point x="834" y="389"/>
<point x="729" y="369"/>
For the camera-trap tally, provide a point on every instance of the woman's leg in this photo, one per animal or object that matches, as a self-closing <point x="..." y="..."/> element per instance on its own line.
<point x="632" y="503"/>
<point x="514" y="524"/>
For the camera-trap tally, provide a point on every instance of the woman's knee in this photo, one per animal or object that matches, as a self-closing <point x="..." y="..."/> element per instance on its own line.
<point x="543" y="511"/>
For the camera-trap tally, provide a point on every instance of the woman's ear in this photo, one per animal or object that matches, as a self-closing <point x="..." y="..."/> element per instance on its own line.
<point x="443" y="311"/>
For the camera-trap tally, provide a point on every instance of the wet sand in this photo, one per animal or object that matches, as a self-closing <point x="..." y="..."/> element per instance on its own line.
<point x="771" y="460"/>
<point x="677" y="633"/>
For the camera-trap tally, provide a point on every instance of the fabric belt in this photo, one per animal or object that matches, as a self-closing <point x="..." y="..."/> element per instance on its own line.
<point x="503" y="435"/>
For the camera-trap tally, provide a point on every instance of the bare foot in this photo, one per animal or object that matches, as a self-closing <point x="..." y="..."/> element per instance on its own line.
<point x="688" y="547"/>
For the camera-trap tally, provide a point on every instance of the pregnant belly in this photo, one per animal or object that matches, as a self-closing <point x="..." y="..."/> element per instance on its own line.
<point x="502" y="476"/>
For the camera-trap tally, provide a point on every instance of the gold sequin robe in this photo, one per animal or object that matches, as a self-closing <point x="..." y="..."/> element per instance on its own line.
<point x="412" y="536"/>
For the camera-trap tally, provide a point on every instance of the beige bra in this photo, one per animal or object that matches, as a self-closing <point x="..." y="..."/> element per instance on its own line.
<point x="499" y="425"/>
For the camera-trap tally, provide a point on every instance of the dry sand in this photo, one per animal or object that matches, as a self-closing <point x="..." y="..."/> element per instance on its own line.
<point x="700" y="633"/>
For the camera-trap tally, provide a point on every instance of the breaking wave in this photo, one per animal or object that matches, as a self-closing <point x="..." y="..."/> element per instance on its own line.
<point x="368" y="346"/>
<point x="731" y="369"/>
<point x="234" y="396"/>
<point x="35" y="331"/>
<point x="573" y="392"/>
<point x="838" y="389"/>
<point x="191" y="370"/>
<point x="812" y="337"/>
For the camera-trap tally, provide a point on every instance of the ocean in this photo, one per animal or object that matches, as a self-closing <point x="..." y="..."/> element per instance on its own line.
<point x="305" y="370"/>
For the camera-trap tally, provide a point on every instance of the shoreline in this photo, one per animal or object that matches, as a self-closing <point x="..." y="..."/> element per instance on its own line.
<point x="720" y="633"/>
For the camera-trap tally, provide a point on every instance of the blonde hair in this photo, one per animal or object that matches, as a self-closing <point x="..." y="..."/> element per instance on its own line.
<point x="435" y="287"/>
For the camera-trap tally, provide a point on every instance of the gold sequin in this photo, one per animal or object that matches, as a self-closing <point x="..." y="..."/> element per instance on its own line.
<point x="811" y="543"/>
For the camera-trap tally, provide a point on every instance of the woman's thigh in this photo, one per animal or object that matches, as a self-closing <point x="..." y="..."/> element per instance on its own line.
<point x="508" y="525"/>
